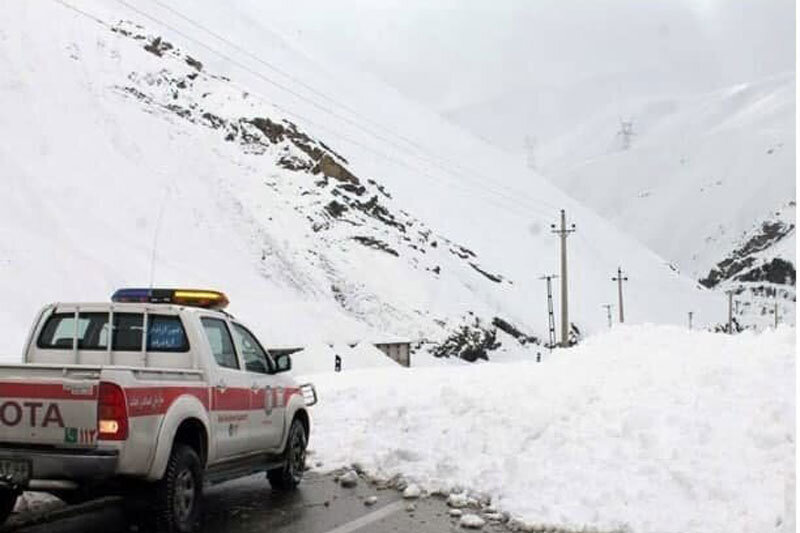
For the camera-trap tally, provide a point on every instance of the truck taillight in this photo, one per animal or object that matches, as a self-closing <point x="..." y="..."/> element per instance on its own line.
<point x="112" y="413"/>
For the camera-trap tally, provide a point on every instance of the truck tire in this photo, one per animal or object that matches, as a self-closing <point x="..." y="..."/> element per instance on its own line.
<point x="290" y="474"/>
<point x="179" y="494"/>
<point x="8" y="499"/>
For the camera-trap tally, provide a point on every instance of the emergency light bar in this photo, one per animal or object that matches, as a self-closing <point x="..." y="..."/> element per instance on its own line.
<point x="189" y="297"/>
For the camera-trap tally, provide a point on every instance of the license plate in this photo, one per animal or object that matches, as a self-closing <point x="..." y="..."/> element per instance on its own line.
<point x="15" y="471"/>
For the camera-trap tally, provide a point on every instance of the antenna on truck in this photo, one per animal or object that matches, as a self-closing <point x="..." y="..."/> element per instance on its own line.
<point x="155" y="237"/>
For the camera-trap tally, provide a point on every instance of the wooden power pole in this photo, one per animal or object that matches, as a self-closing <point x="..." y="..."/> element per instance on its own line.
<point x="551" y="319"/>
<point x="619" y="279"/>
<point x="691" y="314"/>
<point x="563" y="231"/>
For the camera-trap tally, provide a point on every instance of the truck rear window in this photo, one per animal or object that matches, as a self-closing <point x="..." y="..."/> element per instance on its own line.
<point x="165" y="333"/>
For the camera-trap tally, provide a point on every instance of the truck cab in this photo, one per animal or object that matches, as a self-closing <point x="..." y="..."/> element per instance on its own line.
<point x="152" y="395"/>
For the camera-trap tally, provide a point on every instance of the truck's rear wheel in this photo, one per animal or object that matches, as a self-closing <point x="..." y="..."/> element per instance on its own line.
<point x="291" y="473"/>
<point x="8" y="499"/>
<point x="179" y="494"/>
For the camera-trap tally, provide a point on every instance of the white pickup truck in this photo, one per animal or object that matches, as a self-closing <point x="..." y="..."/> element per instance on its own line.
<point x="151" y="397"/>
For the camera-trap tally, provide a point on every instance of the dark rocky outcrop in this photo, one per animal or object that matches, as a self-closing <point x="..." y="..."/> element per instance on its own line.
<point x="469" y="342"/>
<point x="511" y="330"/>
<point x="741" y="264"/>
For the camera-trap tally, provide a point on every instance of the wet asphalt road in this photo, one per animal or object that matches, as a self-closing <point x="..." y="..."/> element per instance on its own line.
<point x="248" y="505"/>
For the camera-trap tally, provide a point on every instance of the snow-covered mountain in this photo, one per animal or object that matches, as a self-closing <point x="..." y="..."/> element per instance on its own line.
<point x="698" y="171"/>
<point x="694" y="178"/>
<point x="186" y="144"/>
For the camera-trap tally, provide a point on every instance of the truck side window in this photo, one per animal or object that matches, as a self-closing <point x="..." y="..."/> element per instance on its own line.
<point x="221" y="342"/>
<point x="165" y="334"/>
<point x="255" y="358"/>
<point x="59" y="329"/>
<point x="127" y="332"/>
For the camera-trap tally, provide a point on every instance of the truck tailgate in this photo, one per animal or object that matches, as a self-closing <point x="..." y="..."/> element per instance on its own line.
<point x="49" y="405"/>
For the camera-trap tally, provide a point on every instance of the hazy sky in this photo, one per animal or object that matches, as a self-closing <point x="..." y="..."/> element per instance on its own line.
<point x="451" y="53"/>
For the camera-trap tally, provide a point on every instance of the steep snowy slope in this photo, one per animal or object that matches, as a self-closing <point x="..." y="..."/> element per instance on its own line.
<point x="697" y="174"/>
<point x="761" y="271"/>
<point x="138" y="148"/>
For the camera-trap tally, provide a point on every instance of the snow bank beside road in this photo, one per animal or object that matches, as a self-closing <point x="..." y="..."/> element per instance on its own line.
<point x="653" y="428"/>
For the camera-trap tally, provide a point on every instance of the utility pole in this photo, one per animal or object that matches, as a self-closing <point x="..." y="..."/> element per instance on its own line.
<point x="776" y="315"/>
<point x="608" y="312"/>
<point x="551" y="319"/>
<point x="691" y="314"/>
<point x="619" y="279"/>
<point x="563" y="232"/>
<point x="626" y="132"/>
<point x="730" y="312"/>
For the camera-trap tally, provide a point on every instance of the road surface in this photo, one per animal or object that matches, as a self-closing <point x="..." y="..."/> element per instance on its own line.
<point x="247" y="505"/>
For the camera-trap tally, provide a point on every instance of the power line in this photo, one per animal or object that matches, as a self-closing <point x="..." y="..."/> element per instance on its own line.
<point x="295" y="79"/>
<point x="430" y="159"/>
<point x="514" y="203"/>
<point x="422" y="149"/>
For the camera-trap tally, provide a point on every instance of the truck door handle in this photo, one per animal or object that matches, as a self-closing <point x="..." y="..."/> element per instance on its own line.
<point x="221" y="386"/>
<point x="255" y="387"/>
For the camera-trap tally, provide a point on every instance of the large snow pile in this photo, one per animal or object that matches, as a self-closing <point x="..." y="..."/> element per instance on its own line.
<point x="650" y="428"/>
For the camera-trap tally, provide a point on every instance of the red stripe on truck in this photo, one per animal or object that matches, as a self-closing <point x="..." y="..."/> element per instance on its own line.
<point x="232" y="399"/>
<point x="147" y="401"/>
<point x="48" y="391"/>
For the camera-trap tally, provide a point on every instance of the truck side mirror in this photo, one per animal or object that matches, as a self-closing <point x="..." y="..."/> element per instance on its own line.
<point x="283" y="363"/>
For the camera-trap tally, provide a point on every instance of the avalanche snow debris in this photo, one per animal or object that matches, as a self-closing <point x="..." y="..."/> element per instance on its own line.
<point x="646" y="428"/>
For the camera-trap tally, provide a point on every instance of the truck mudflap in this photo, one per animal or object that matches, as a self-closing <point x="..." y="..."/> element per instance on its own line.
<point x="52" y="407"/>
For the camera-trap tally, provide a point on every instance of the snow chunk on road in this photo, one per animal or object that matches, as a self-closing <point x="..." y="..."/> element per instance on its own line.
<point x="472" y="521"/>
<point x="412" y="492"/>
<point x="458" y="500"/>
<point x="349" y="479"/>
<point x="646" y="428"/>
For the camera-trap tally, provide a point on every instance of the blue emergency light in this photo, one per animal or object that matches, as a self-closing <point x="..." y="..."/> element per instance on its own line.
<point x="190" y="297"/>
